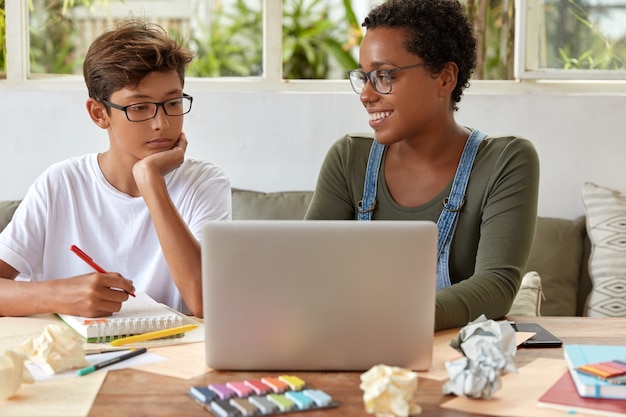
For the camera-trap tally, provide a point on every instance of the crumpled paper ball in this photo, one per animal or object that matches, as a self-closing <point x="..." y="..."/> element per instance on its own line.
<point x="57" y="349"/>
<point x="13" y="373"/>
<point x="390" y="391"/>
<point x="488" y="348"/>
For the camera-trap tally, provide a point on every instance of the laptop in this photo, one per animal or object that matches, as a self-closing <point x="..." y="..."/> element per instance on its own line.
<point x="318" y="295"/>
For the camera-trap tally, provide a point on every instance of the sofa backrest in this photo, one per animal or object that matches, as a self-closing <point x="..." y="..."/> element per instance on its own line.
<point x="280" y="205"/>
<point x="7" y="208"/>
<point x="560" y="254"/>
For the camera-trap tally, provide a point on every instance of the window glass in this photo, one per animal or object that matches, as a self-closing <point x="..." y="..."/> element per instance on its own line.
<point x="320" y="39"/>
<point x="572" y="39"/>
<point x="493" y="23"/>
<point x="495" y="34"/>
<point x="51" y="39"/>
<point x="230" y="42"/>
<point x="582" y="34"/>
<point x="60" y="31"/>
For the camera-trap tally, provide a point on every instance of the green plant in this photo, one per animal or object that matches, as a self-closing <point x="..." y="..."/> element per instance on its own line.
<point x="576" y="40"/>
<point x="318" y="46"/>
<point x="231" y="45"/>
<point x="310" y="38"/>
<point x="493" y="24"/>
<point x="52" y="33"/>
<point x="592" y="60"/>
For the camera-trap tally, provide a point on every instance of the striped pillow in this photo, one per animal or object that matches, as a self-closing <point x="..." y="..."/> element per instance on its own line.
<point x="606" y="226"/>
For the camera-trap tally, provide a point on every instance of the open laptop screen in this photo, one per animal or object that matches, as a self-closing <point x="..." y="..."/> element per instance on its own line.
<point x="318" y="295"/>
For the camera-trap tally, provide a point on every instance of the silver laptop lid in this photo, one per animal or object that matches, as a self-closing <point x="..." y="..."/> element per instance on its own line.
<point x="318" y="295"/>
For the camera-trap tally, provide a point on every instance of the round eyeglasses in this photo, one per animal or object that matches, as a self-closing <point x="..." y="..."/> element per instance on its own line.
<point x="140" y="112"/>
<point x="379" y="78"/>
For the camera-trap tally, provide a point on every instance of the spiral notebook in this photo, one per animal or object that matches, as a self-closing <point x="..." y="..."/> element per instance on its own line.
<point x="140" y="314"/>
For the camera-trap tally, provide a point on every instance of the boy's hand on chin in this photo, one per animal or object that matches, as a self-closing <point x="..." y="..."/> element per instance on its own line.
<point x="162" y="162"/>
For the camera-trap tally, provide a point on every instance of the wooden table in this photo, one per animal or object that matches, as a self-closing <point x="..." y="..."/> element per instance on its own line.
<point x="135" y="393"/>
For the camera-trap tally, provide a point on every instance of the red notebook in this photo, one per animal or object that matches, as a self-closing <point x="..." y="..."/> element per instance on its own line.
<point x="564" y="396"/>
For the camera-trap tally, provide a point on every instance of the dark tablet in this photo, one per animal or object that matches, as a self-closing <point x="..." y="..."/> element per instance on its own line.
<point x="541" y="339"/>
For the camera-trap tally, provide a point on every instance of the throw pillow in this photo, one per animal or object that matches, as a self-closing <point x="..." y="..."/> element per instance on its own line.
<point x="606" y="227"/>
<point x="527" y="302"/>
<point x="557" y="256"/>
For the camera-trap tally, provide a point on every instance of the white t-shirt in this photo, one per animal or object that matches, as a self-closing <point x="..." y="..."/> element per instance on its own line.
<point x="73" y="203"/>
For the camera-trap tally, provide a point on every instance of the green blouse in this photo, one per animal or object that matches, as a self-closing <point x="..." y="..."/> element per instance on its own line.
<point x="495" y="230"/>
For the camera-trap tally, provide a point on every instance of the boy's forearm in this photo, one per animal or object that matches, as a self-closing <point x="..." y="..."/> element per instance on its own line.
<point x="179" y="246"/>
<point x="19" y="299"/>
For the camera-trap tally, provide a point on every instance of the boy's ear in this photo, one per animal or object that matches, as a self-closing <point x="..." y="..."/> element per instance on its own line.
<point x="98" y="113"/>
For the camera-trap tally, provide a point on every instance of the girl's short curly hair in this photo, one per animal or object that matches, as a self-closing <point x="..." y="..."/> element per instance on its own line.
<point x="438" y="31"/>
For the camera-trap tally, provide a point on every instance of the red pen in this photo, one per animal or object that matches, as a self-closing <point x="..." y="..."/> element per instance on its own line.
<point x="82" y="255"/>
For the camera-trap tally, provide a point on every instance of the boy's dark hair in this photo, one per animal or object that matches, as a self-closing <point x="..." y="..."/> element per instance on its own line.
<point x="438" y="31"/>
<point x="122" y="57"/>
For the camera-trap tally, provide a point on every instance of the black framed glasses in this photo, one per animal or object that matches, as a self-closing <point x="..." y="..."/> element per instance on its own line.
<point x="379" y="78"/>
<point x="140" y="112"/>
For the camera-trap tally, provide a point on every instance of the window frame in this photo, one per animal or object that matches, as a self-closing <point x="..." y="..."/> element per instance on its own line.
<point x="527" y="81"/>
<point x="18" y="71"/>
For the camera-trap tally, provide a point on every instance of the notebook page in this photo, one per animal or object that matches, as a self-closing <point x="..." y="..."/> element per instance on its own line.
<point x="140" y="314"/>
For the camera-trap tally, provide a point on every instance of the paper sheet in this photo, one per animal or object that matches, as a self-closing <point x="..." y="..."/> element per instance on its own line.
<point x="15" y="330"/>
<point x="519" y="393"/>
<point x="64" y="397"/>
<point x="56" y="398"/>
<point x="183" y="361"/>
<point x="147" y="358"/>
<point x="443" y="352"/>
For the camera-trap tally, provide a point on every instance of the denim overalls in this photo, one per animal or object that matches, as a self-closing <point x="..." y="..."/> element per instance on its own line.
<point x="451" y="205"/>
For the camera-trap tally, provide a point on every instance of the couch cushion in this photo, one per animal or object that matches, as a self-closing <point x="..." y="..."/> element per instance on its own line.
<point x="606" y="226"/>
<point x="7" y="208"/>
<point x="557" y="254"/>
<point x="282" y="205"/>
<point x="557" y="257"/>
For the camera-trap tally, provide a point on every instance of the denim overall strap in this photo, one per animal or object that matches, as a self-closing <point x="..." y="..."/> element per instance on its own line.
<point x="368" y="202"/>
<point x="452" y="205"/>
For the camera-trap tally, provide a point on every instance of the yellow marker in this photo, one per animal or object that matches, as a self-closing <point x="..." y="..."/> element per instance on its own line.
<point x="295" y="383"/>
<point x="153" y="335"/>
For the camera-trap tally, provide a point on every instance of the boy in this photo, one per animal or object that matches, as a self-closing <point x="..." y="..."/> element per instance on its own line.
<point x="137" y="208"/>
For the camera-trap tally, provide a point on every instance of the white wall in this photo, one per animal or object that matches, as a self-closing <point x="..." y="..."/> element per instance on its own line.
<point x="276" y="141"/>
